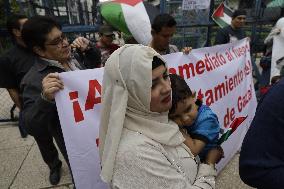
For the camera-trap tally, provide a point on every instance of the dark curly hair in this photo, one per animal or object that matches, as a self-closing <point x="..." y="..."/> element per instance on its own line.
<point x="180" y="90"/>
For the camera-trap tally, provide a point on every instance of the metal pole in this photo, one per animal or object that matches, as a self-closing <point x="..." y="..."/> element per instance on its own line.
<point x="94" y="11"/>
<point x="7" y="8"/>
<point x="254" y="25"/>
<point x="32" y="8"/>
<point x="67" y="11"/>
<point x="80" y="11"/>
<point x="209" y="30"/>
<point x="57" y="9"/>
<point x="253" y="38"/>
<point x="162" y="6"/>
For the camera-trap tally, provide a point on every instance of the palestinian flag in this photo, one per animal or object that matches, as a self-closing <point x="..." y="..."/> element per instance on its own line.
<point x="232" y="128"/>
<point x="132" y="17"/>
<point x="222" y="15"/>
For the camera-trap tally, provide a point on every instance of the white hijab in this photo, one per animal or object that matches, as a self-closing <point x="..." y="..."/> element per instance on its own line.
<point x="126" y="100"/>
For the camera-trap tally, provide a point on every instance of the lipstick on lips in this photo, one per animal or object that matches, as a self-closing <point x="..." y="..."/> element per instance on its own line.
<point x="167" y="99"/>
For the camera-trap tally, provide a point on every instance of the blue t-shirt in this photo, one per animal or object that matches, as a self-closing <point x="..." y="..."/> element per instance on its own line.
<point x="206" y="128"/>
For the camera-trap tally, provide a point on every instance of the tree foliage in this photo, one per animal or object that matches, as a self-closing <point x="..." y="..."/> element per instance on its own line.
<point x="12" y="7"/>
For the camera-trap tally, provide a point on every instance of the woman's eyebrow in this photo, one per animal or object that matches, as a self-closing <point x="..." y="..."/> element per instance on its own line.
<point x="156" y="79"/>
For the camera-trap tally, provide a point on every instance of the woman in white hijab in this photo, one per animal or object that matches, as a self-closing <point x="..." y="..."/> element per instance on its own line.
<point x="139" y="146"/>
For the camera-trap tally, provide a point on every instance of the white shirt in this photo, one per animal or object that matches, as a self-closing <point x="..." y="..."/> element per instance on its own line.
<point x="143" y="163"/>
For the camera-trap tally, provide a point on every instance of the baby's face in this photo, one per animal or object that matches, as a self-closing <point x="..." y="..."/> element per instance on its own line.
<point x="185" y="113"/>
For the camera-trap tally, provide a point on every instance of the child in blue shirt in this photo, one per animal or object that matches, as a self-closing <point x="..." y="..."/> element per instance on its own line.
<point x="198" y="122"/>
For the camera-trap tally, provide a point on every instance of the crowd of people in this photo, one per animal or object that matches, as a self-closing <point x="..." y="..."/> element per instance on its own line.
<point x="160" y="135"/>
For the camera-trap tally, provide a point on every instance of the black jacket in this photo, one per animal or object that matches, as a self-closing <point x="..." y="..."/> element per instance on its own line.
<point x="14" y="64"/>
<point x="224" y="34"/>
<point x="262" y="153"/>
<point x="39" y="115"/>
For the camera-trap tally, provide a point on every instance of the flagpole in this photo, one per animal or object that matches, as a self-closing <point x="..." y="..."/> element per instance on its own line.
<point x="162" y="6"/>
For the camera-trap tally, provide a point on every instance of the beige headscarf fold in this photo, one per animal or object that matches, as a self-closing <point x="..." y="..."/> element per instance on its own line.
<point x="126" y="103"/>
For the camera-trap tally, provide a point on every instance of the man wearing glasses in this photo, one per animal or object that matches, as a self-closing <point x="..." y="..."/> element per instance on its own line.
<point x="44" y="37"/>
<point x="105" y="44"/>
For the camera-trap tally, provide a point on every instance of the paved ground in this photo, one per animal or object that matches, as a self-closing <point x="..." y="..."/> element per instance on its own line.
<point x="21" y="166"/>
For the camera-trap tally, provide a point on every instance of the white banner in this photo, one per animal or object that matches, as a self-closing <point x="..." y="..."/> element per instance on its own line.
<point x="195" y="4"/>
<point x="79" y="107"/>
<point x="221" y="74"/>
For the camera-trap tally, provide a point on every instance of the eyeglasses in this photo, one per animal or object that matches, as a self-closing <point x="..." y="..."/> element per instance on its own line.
<point x="111" y="35"/>
<point x="58" y="41"/>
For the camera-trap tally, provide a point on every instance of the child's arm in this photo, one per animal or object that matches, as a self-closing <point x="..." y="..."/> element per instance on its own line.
<point x="207" y="130"/>
<point x="195" y="145"/>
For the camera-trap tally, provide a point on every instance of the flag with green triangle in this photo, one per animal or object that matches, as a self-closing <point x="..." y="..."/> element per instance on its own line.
<point x="132" y="17"/>
<point x="232" y="128"/>
<point x="222" y="16"/>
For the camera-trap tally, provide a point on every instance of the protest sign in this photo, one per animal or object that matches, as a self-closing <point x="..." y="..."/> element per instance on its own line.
<point x="195" y="4"/>
<point x="220" y="75"/>
<point x="79" y="113"/>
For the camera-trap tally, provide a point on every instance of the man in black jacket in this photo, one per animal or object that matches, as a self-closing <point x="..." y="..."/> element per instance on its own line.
<point x="234" y="31"/>
<point x="262" y="155"/>
<point x="44" y="37"/>
<point x="15" y="63"/>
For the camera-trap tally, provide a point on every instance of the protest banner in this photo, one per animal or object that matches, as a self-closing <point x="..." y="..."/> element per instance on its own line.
<point x="221" y="76"/>
<point x="79" y="113"/>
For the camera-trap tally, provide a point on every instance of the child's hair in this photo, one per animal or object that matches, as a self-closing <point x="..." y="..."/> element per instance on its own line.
<point x="275" y="79"/>
<point x="180" y="91"/>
